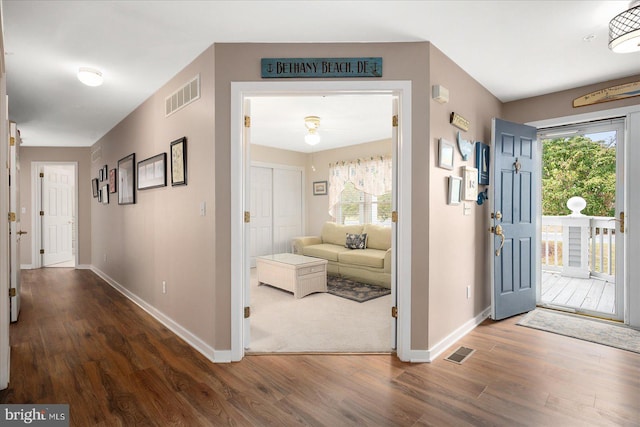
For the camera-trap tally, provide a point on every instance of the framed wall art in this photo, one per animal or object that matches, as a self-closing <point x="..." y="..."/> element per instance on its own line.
<point x="126" y="180"/>
<point x="179" y="162"/>
<point x="152" y="172"/>
<point x="455" y="184"/>
<point x="104" y="173"/>
<point x="94" y="187"/>
<point x="445" y="154"/>
<point x="113" y="173"/>
<point x="105" y="194"/>
<point x="319" y="188"/>
<point x="470" y="187"/>
<point x="482" y="163"/>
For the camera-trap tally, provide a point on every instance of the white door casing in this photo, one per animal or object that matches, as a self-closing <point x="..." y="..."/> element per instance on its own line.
<point x="240" y="92"/>
<point x="14" y="225"/>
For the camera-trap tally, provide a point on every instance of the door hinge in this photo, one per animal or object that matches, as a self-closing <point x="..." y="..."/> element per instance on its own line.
<point x="12" y="217"/>
<point x="394" y="121"/>
<point x="41" y="174"/>
<point x="622" y="222"/>
<point x="247" y="312"/>
<point x="394" y="216"/>
<point x="41" y="213"/>
<point x="247" y="217"/>
<point x="12" y="141"/>
<point x="394" y="312"/>
<point x="247" y="121"/>
<point x="12" y="292"/>
<point x="41" y="251"/>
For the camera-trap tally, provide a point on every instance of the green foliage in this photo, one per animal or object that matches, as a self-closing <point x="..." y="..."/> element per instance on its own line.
<point x="578" y="166"/>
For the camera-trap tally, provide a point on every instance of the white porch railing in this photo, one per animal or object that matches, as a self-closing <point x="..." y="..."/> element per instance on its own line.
<point x="579" y="246"/>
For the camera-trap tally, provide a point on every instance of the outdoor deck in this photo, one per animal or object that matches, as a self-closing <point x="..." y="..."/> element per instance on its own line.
<point x="592" y="294"/>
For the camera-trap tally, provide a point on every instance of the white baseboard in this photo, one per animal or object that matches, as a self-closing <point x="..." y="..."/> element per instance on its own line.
<point x="26" y="266"/>
<point x="195" y="342"/>
<point x="428" y="356"/>
<point x="83" y="267"/>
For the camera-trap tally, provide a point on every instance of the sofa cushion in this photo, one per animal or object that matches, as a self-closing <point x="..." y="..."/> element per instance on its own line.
<point x="356" y="241"/>
<point x="325" y="251"/>
<point x="366" y="257"/>
<point x="337" y="233"/>
<point x="378" y="236"/>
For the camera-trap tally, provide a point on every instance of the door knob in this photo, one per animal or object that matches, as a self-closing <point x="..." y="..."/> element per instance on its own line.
<point x="499" y="232"/>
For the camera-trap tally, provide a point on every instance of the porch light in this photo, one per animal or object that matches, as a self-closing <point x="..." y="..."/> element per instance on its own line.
<point x="624" y="30"/>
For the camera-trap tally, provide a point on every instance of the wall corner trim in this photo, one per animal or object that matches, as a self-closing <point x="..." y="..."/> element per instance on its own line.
<point x="195" y="342"/>
<point x="428" y="356"/>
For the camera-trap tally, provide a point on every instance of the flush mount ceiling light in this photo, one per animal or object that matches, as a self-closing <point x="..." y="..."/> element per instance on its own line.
<point x="312" y="123"/>
<point x="624" y="30"/>
<point x="90" y="76"/>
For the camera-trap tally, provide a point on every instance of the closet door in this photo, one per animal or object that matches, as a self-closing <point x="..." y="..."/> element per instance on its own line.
<point x="261" y="212"/>
<point x="287" y="208"/>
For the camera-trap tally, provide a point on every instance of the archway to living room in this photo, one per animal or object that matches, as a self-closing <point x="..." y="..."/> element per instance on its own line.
<point x="280" y="322"/>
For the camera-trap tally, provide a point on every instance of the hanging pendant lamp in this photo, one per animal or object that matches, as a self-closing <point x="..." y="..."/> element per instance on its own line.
<point x="624" y="30"/>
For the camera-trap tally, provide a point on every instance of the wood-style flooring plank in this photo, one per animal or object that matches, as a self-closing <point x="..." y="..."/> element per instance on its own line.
<point x="79" y="341"/>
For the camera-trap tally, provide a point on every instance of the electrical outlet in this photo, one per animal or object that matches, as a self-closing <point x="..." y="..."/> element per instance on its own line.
<point x="468" y="292"/>
<point x="164" y="287"/>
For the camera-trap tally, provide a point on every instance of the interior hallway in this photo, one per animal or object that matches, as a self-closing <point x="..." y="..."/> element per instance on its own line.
<point x="78" y="341"/>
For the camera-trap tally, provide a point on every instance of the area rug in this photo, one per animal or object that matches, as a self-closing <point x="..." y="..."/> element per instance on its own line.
<point x="583" y="328"/>
<point x="356" y="291"/>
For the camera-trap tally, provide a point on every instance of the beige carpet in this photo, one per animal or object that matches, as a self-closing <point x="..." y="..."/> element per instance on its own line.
<point x="319" y="322"/>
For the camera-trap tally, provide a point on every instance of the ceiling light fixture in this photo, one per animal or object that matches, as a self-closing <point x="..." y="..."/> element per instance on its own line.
<point x="90" y="76"/>
<point x="624" y="30"/>
<point x="312" y="123"/>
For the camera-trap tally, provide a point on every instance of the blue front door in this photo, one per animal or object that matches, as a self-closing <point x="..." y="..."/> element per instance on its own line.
<point x="515" y="180"/>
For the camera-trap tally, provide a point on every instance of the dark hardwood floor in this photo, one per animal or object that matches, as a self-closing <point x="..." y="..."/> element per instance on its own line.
<point x="78" y="341"/>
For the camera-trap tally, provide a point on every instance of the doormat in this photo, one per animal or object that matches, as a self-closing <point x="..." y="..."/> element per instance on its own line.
<point x="356" y="291"/>
<point x="584" y="328"/>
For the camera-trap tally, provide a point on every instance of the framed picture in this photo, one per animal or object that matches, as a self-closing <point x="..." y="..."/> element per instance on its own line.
<point x="319" y="188"/>
<point x="179" y="162"/>
<point x="104" y="173"/>
<point x="126" y="180"/>
<point x="94" y="187"/>
<point x="455" y="184"/>
<point x="105" y="194"/>
<point x="152" y="172"/>
<point x="470" y="187"/>
<point x="100" y="175"/>
<point x="482" y="163"/>
<point x="112" y="181"/>
<point x="445" y="154"/>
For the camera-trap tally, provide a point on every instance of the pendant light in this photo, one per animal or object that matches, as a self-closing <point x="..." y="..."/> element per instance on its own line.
<point x="624" y="30"/>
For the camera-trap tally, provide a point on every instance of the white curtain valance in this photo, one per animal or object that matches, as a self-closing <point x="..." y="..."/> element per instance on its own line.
<point x="373" y="175"/>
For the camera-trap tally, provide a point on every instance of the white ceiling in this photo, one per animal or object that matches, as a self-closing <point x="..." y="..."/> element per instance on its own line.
<point x="516" y="49"/>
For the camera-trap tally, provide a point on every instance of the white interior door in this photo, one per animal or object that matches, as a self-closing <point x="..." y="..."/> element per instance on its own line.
<point x="287" y="208"/>
<point x="58" y="185"/>
<point x="261" y="225"/>
<point x="14" y="225"/>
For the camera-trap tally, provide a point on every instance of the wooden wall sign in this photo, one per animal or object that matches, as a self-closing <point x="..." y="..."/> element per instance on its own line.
<point x="320" y="67"/>
<point x="460" y="122"/>
<point x="613" y="93"/>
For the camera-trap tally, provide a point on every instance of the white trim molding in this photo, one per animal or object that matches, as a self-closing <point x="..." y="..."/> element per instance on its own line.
<point x="195" y="342"/>
<point x="240" y="91"/>
<point x="428" y="356"/>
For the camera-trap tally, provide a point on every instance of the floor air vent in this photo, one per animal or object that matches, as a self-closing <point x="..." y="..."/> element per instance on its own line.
<point x="460" y="355"/>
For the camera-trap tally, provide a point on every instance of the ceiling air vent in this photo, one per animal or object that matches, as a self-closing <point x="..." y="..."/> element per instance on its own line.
<point x="183" y="96"/>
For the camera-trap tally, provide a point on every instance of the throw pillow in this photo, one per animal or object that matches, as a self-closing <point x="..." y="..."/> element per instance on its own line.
<point x="356" y="241"/>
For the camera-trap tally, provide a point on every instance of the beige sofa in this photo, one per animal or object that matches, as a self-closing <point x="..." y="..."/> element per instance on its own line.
<point x="371" y="265"/>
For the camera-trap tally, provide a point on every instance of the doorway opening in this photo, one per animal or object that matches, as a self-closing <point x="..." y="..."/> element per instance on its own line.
<point x="582" y="222"/>
<point x="55" y="214"/>
<point x="242" y="93"/>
